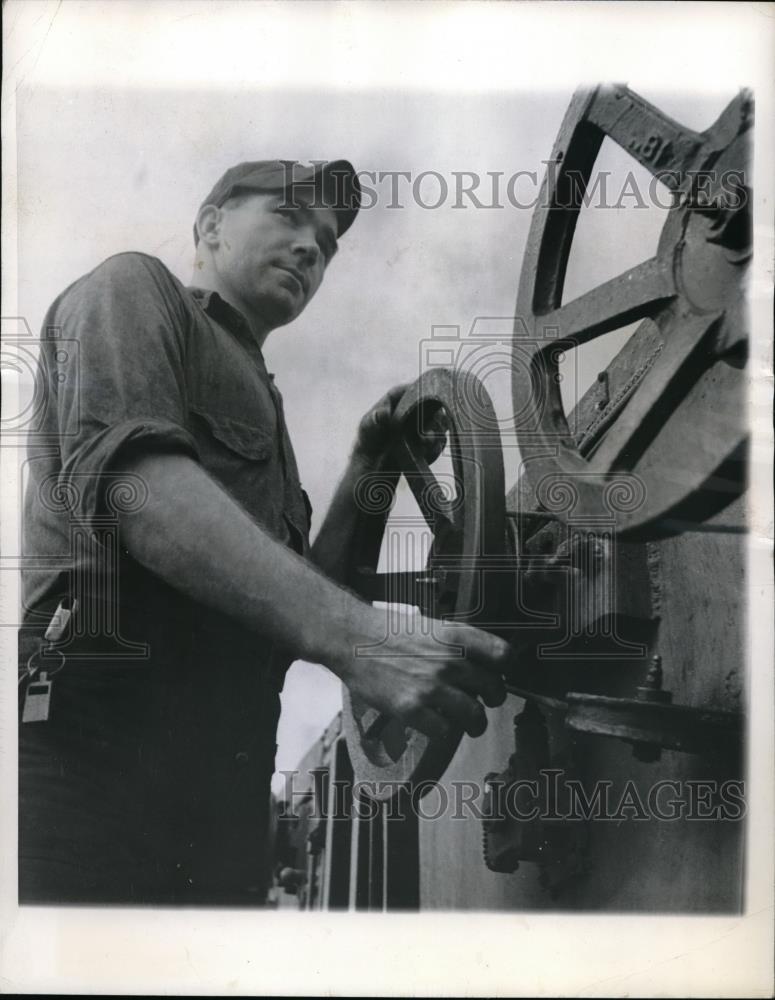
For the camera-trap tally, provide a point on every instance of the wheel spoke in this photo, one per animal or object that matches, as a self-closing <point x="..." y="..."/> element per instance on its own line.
<point x="630" y="296"/>
<point x="373" y="723"/>
<point x="655" y="140"/>
<point x="426" y="489"/>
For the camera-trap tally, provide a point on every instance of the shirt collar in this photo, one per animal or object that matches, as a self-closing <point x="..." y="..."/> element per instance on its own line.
<point x="228" y="316"/>
<point x="218" y="307"/>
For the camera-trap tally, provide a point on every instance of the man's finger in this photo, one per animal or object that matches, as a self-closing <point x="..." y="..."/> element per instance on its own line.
<point x="393" y="396"/>
<point x="492" y="690"/>
<point x="462" y="709"/>
<point x="478" y="681"/>
<point x="427" y="721"/>
<point x="383" y="411"/>
<point x="479" y="646"/>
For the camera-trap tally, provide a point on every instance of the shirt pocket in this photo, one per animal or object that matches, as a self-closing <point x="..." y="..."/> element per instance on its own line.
<point x="243" y="456"/>
<point x="250" y="441"/>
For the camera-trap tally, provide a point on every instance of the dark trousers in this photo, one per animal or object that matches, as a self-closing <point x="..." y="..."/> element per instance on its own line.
<point x="148" y="783"/>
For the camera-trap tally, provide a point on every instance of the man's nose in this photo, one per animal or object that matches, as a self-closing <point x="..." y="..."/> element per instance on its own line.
<point x="305" y="246"/>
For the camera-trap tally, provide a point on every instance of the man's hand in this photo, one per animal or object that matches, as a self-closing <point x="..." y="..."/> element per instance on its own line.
<point x="417" y="677"/>
<point x="215" y="553"/>
<point x="378" y="428"/>
<point x="332" y="550"/>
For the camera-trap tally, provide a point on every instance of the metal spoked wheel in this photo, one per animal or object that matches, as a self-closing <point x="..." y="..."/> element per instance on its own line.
<point x="466" y="519"/>
<point x="672" y="447"/>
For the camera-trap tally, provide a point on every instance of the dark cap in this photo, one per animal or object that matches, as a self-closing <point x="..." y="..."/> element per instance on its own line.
<point x="334" y="182"/>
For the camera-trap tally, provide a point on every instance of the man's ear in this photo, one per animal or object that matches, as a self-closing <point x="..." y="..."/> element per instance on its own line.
<point x="208" y="225"/>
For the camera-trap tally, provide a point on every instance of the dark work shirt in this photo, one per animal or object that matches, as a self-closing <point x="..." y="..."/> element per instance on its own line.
<point x="133" y="362"/>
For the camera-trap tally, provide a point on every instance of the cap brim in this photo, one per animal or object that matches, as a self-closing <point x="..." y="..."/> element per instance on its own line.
<point x="339" y="186"/>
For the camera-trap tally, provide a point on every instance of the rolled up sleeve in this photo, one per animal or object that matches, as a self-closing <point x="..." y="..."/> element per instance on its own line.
<point x="128" y="326"/>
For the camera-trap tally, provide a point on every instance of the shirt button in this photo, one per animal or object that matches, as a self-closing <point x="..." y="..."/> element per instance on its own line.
<point x="241" y="757"/>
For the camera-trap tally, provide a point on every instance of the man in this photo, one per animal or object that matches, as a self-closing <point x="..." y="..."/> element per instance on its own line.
<point x="170" y="519"/>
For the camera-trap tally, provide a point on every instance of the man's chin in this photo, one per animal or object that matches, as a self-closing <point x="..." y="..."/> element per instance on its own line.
<point x="279" y="310"/>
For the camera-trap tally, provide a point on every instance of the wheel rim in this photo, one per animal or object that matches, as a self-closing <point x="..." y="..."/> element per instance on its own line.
<point x="692" y="290"/>
<point x="468" y="532"/>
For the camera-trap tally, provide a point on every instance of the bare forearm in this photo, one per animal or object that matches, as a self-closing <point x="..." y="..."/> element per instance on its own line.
<point x="194" y="536"/>
<point x="332" y="548"/>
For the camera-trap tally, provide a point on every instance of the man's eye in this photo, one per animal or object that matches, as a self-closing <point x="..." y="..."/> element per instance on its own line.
<point x="329" y="248"/>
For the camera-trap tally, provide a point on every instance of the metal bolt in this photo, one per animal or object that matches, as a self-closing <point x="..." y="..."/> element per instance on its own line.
<point x="654" y="676"/>
<point x="651" y="690"/>
<point x="605" y="397"/>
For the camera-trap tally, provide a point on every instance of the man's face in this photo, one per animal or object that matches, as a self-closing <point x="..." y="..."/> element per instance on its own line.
<point x="272" y="253"/>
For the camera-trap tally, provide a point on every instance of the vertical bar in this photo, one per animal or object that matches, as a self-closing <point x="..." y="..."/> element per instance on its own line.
<point x="355" y="837"/>
<point x="402" y="854"/>
<point x="383" y="817"/>
<point x="339" y="823"/>
<point x="375" y="866"/>
<point x="361" y="865"/>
